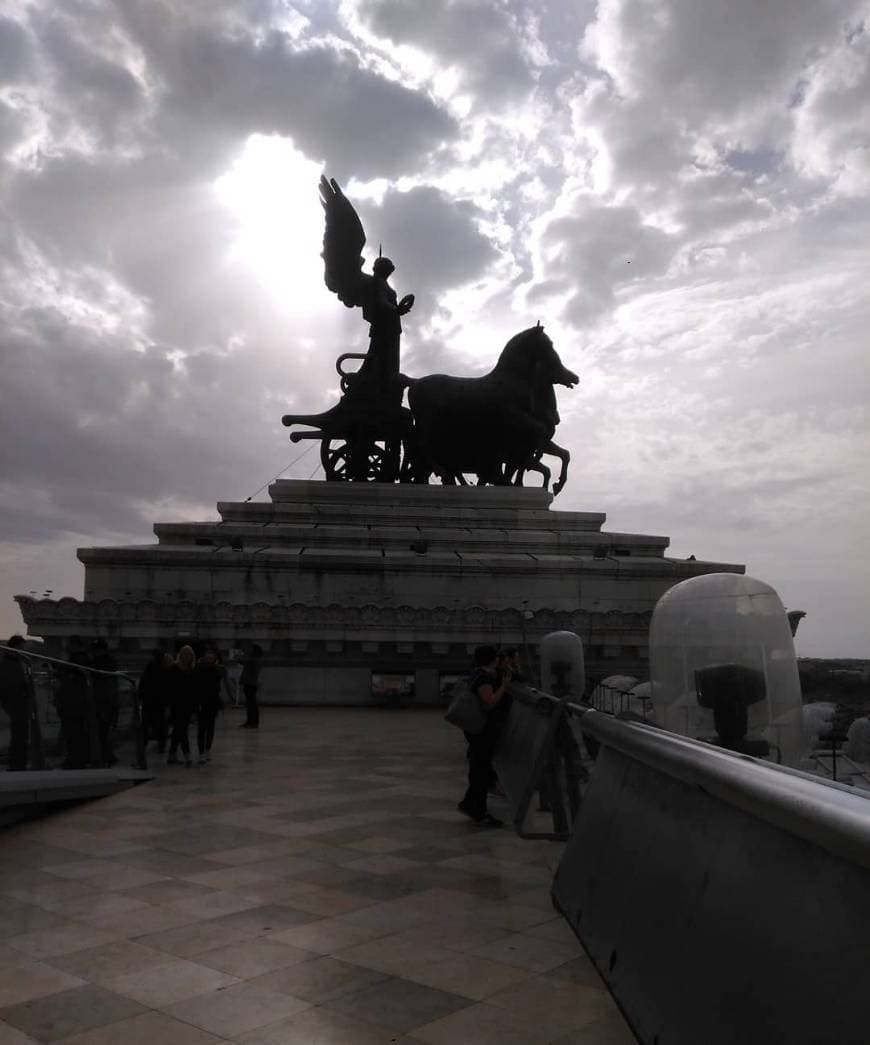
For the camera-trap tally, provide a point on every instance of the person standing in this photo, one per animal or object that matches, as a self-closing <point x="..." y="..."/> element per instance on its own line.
<point x="152" y="697"/>
<point x="249" y="680"/>
<point x="105" y="700"/>
<point x="13" y="700"/>
<point x="72" y="703"/>
<point x="208" y="679"/>
<point x="491" y="690"/>
<point x="181" y="689"/>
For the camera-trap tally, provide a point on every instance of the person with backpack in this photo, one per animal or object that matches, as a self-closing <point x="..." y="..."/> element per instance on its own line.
<point x="490" y="687"/>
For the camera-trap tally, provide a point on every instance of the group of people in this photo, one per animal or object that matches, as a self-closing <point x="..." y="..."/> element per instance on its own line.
<point x="15" y="701"/>
<point x="174" y="691"/>
<point x="493" y="670"/>
<point x="87" y="721"/>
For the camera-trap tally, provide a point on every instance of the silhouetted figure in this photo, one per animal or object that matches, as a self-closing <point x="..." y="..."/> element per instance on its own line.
<point x="14" y="701"/>
<point x="72" y="703"/>
<point x="250" y="682"/>
<point x="208" y="679"/>
<point x="153" y="697"/>
<point x="105" y="700"/>
<point x="383" y="311"/>
<point x="490" y="688"/>
<point x="181" y="687"/>
<point x="343" y="241"/>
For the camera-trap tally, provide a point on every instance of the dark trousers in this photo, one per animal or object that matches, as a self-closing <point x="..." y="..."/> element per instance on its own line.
<point x="76" y="740"/>
<point x="252" y="718"/>
<point x="154" y="715"/>
<point x="180" y="726"/>
<point x="105" y="728"/>
<point x="481" y="747"/>
<point x="19" y="729"/>
<point x="204" y="731"/>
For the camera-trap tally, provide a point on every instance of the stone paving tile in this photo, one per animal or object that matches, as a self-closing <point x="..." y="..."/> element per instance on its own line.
<point x="150" y="919"/>
<point x="249" y="958"/>
<point x="484" y="1024"/>
<point x="99" y="964"/>
<point x="17" y="919"/>
<point x="320" y="980"/>
<point x="69" y="1012"/>
<point x="165" y="890"/>
<point x="610" y="1030"/>
<point x="211" y="905"/>
<point x="186" y="941"/>
<point x="26" y="980"/>
<point x="398" y="1005"/>
<point x="526" y="952"/>
<point x="320" y="1027"/>
<point x="64" y="939"/>
<point x="472" y="977"/>
<point x="554" y="1002"/>
<point x="151" y="1028"/>
<point x="161" y="985"/>
<point x="313" y="899"/>
<point x="236" y="1010"/>
<point x="10" y="1035"/>
<point x="265" y="919"/>
<point x="239" y="856"/>
<point x="328" y="936"/>
<point x="377" y="844"/>
<point x="399" y="957"/>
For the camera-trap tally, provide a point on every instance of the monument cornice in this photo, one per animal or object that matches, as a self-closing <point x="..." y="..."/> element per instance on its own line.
<point x="69" y="613"/>
<point x="373" y="561"/>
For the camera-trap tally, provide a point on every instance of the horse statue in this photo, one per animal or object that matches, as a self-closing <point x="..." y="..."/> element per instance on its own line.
<point x="549" y="416"/>
<point x="496" y="426"/>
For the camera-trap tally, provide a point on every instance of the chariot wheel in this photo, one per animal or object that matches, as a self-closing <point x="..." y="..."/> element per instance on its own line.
<point x="363" y="459"/>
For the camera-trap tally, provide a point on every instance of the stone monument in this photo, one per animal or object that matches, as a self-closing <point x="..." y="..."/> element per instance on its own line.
<point x="375" y="573"/>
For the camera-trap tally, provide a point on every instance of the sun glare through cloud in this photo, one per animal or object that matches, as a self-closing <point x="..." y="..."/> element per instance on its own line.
<point x="271" y="192"/>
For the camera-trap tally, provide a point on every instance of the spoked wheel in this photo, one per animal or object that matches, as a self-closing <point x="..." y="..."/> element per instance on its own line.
<point x="334" y="454"/>
<point x="363" y="459"/>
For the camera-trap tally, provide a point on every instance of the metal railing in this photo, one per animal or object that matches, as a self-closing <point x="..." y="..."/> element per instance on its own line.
<point x="86" y="723"/>
<point x="828" y="814"/>
<point x="615" y="701"/>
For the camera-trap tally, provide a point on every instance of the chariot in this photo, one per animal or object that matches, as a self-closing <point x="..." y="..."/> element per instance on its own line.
<point x="367" y="436"/>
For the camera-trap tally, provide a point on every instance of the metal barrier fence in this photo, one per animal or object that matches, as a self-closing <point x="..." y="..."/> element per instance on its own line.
<point x="538" y="754"/>
<point x="721" y="898"/>
<point x="66" y="699"/>
<point x="615" y="701"/>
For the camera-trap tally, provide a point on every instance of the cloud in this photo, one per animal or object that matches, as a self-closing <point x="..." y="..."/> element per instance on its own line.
<point x="484" y="41"/>
<point x="679" y="190"/>
<point x="16" y="56"/>
<point x="592" y="251"/>
<point x="434" y="241"/>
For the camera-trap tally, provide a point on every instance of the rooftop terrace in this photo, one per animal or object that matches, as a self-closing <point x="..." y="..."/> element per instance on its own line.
<point x="312" y="885"/>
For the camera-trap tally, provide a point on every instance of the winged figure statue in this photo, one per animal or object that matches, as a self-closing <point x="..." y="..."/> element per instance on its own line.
<point x="343" y="241"/>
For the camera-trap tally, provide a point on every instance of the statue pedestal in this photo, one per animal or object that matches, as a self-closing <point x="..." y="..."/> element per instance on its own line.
<point x="337" y="581"/>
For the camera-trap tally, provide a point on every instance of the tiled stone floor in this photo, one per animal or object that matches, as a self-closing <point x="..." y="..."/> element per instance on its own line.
<point x="312" y="886"/>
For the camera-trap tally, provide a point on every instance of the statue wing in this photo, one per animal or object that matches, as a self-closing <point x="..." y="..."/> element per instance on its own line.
<point x="343" y="241"/>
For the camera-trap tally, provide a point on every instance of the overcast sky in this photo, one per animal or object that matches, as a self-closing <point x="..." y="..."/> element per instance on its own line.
<point x="677" y="189"/>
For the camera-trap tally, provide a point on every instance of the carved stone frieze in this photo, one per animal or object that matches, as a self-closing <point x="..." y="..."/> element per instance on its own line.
<point x="75" y="614"/>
